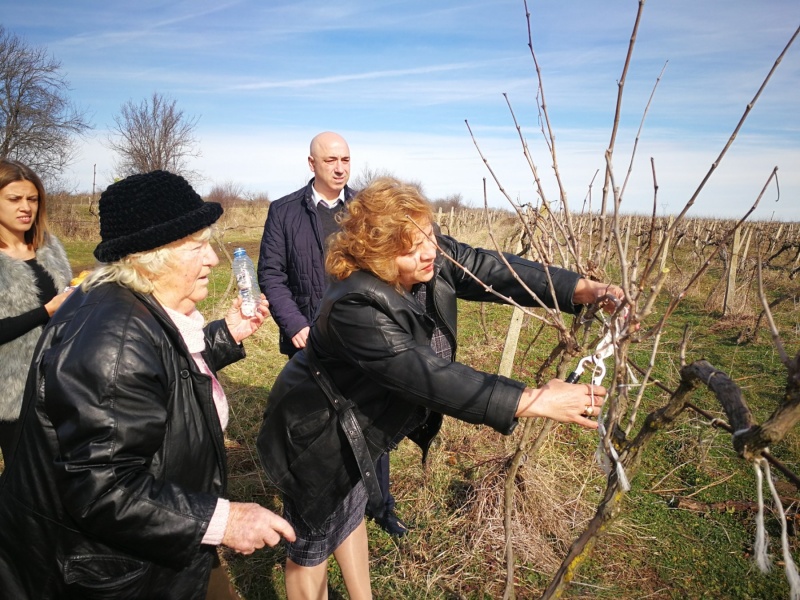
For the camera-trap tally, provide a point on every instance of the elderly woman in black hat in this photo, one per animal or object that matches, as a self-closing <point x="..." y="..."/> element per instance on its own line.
<point x="117" y="486"/>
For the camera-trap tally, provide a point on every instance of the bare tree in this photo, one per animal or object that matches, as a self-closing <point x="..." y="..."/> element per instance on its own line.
<point x="226" y="193"/>
<point x="367" y="175"/>
<point x="38" y="122"/>
<point x="454" y="201"/>
<point x="153" y="134"/>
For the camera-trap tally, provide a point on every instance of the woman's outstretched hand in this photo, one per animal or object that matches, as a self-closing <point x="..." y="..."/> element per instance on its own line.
<point x="607" y="295"/>
<point x="564" y="402"/>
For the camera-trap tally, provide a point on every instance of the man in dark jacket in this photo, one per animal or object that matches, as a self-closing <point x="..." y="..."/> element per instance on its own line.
<point x="291" y="263"/>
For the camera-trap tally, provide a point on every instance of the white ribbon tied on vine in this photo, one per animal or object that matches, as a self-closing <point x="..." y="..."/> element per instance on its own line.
<point x="606" y="454"/>
<point x="760" y="546"/>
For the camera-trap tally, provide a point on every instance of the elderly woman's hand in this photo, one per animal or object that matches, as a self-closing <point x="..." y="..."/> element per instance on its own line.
<point x="241" y="326"/>
<point x="251" y="526"/>
<point x="564" y="402"/>
<point x="588" y="291"/>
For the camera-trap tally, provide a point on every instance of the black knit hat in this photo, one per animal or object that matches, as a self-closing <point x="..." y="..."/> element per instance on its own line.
<point x="146" y="211"/>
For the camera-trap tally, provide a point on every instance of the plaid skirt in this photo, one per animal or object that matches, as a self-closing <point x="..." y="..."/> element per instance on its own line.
<point x="313" y="546"/>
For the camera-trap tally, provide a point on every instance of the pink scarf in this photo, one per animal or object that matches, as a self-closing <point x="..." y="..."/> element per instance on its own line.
<point x="191" y="330"/>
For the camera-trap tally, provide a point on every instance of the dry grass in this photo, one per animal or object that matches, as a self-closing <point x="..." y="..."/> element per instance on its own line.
<point x="73" y="217"/>
<point x="455" y="503"/>
<point x="243" y="219"/>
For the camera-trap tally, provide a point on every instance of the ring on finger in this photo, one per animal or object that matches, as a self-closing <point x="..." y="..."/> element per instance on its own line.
<point x="589" y="411"/>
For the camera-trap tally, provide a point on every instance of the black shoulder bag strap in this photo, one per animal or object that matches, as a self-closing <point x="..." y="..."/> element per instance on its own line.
<point x="352" y="430"/>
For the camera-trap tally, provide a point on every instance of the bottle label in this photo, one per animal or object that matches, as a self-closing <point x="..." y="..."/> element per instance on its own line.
<point x="243" y="280"/>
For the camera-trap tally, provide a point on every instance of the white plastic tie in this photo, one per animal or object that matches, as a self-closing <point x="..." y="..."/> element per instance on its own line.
<point x="760" y="545"/>
<point x="607" y="455"/>
<point x="790" y="568"/>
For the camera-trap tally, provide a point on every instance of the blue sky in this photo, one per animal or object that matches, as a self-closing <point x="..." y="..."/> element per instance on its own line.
<point x="399" y="78"/>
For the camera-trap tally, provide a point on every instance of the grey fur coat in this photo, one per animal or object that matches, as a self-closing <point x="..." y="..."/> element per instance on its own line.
<point x="18" y="295"/>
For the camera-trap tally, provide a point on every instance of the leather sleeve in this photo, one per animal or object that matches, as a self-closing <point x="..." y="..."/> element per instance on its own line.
<point x="388" y="354"/>
<point x="222" y="348"/>
<point x="490" y="269"/>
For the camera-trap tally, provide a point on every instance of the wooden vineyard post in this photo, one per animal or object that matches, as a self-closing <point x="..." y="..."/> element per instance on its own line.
<point x="733" y="264"/>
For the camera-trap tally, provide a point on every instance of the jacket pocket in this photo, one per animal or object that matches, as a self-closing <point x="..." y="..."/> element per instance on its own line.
<point x="302" y="432"/>
<point x="105" y="577"/>
<point x="304" y="305"/>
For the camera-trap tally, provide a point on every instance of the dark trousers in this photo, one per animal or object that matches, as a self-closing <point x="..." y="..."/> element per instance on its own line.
<point x="382" y="473"/>
<point x="7" y="437"/>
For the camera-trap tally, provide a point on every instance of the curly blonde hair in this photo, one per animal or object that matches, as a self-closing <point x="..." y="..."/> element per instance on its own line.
<point x="381" y="223"/>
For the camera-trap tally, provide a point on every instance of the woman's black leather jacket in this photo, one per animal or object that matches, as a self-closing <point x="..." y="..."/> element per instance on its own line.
<point x="120" y="460"/>
<point x="374" y="342"/>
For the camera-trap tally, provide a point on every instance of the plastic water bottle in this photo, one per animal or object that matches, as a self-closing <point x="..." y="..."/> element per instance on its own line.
<point x="246" y="280"/>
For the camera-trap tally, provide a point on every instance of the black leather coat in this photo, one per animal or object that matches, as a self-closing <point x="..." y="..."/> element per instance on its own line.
<point x="120" y="460"/>
<point x="375" y="343"/>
